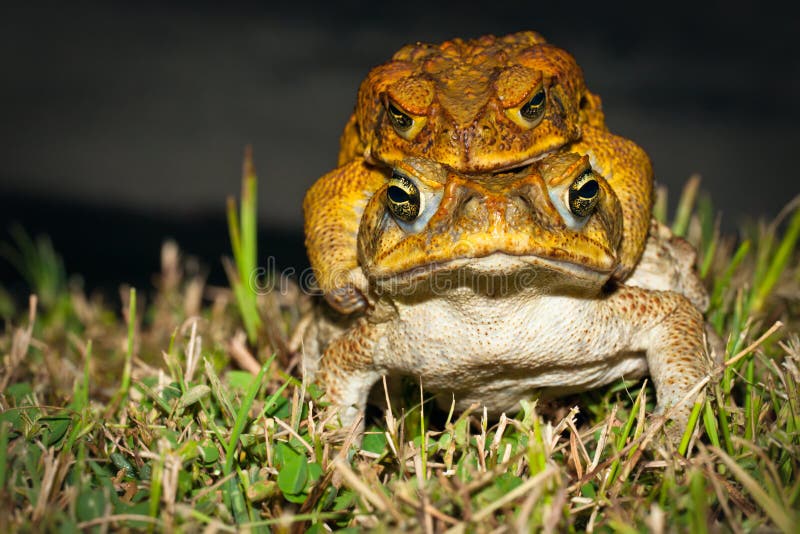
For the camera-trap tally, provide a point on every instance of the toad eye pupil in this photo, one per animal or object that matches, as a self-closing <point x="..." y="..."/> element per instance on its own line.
<point x="397" y="195"/>
<point x="534" y="108"/>
<point x="403" y="198"/>
<point x="583" y="195"/>
<point x="400" y="120"/>
<point x="589" y="189"/>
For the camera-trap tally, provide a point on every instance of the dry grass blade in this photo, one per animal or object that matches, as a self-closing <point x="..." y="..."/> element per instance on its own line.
<point x="752" y="346"/>
<point x="19" y="345"/>
<point x="785" y="519"/>
<point x="376" y="499"/>
<point x="51" y="463"/>
<point x="534" y="482"/>
<point x="242" y="356"/>
<point x="297" y="436"/>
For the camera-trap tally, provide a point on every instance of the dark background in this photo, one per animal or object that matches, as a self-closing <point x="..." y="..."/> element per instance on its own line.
<point x="122" y="125"/>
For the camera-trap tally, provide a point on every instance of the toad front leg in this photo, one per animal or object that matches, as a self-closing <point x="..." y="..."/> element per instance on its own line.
<point x="671" y="333"/>
<point x="347" y="370"/>
<point x="333" y="208"/>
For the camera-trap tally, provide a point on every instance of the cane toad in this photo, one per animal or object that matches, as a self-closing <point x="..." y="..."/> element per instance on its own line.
<point x="488" y="287"/>
<point x="491" y="104"/>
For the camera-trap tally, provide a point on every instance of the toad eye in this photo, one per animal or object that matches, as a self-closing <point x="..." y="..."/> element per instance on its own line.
<point x="584" y="194"/>
<point x="403" y="123"/>
<point x="531" y="112"/>
<point x="400" y="120"/>
<point x="402" y="198"/>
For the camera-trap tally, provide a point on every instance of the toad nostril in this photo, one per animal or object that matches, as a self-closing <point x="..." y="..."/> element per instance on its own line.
<point x="519" y="207"/>
<point x="474" y="212"/>
<point x="522" y="201"/>
<point x="472" y="206"/>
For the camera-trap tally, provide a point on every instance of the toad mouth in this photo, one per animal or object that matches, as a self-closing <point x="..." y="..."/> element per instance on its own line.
<point x="499" y="264"/>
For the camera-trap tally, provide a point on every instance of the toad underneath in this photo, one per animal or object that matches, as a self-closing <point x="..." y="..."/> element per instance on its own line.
<point x="491" y="287"/>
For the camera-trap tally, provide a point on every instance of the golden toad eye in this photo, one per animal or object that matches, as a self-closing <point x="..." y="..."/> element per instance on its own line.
<point x="584" y="194"/>
<point x="533" y="109"/>
<point x="400" y="120"/>
<point x="402" y="198"/>
<point x="404" y="124"/>
<point x="531" y="113"/>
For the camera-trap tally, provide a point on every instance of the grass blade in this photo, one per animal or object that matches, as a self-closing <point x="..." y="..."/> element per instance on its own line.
<point x="241" y="414"/>
<point x="244" y="243"/>
<point x="125" y="383"/>
<point x="685" y="206"/>
<point x="783" y="518"/>
<point x="780" y="259"/>
<point x="687" y="434"/>
<point x="234" y="494"/>
<point x="4" y="426"/>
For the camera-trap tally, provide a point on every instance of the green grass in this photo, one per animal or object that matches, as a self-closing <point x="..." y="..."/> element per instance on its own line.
<point x="179" y="414"/>
<point x="242" y="231"/>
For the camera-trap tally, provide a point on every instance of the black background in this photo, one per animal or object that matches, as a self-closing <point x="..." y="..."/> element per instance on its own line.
<point x="125" y="124"/>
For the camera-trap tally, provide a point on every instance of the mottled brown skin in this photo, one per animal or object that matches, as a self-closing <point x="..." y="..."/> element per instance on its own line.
<point x="498" y="293"/>
<point x="668" y="264"/>
<point x="464" y="97"/>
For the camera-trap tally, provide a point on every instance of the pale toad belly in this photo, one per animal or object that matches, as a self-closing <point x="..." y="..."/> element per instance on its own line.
<point x="495" y="351"/>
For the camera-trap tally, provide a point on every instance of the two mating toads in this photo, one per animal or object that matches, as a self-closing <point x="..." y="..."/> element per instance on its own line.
<point x="487" y="234"/>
